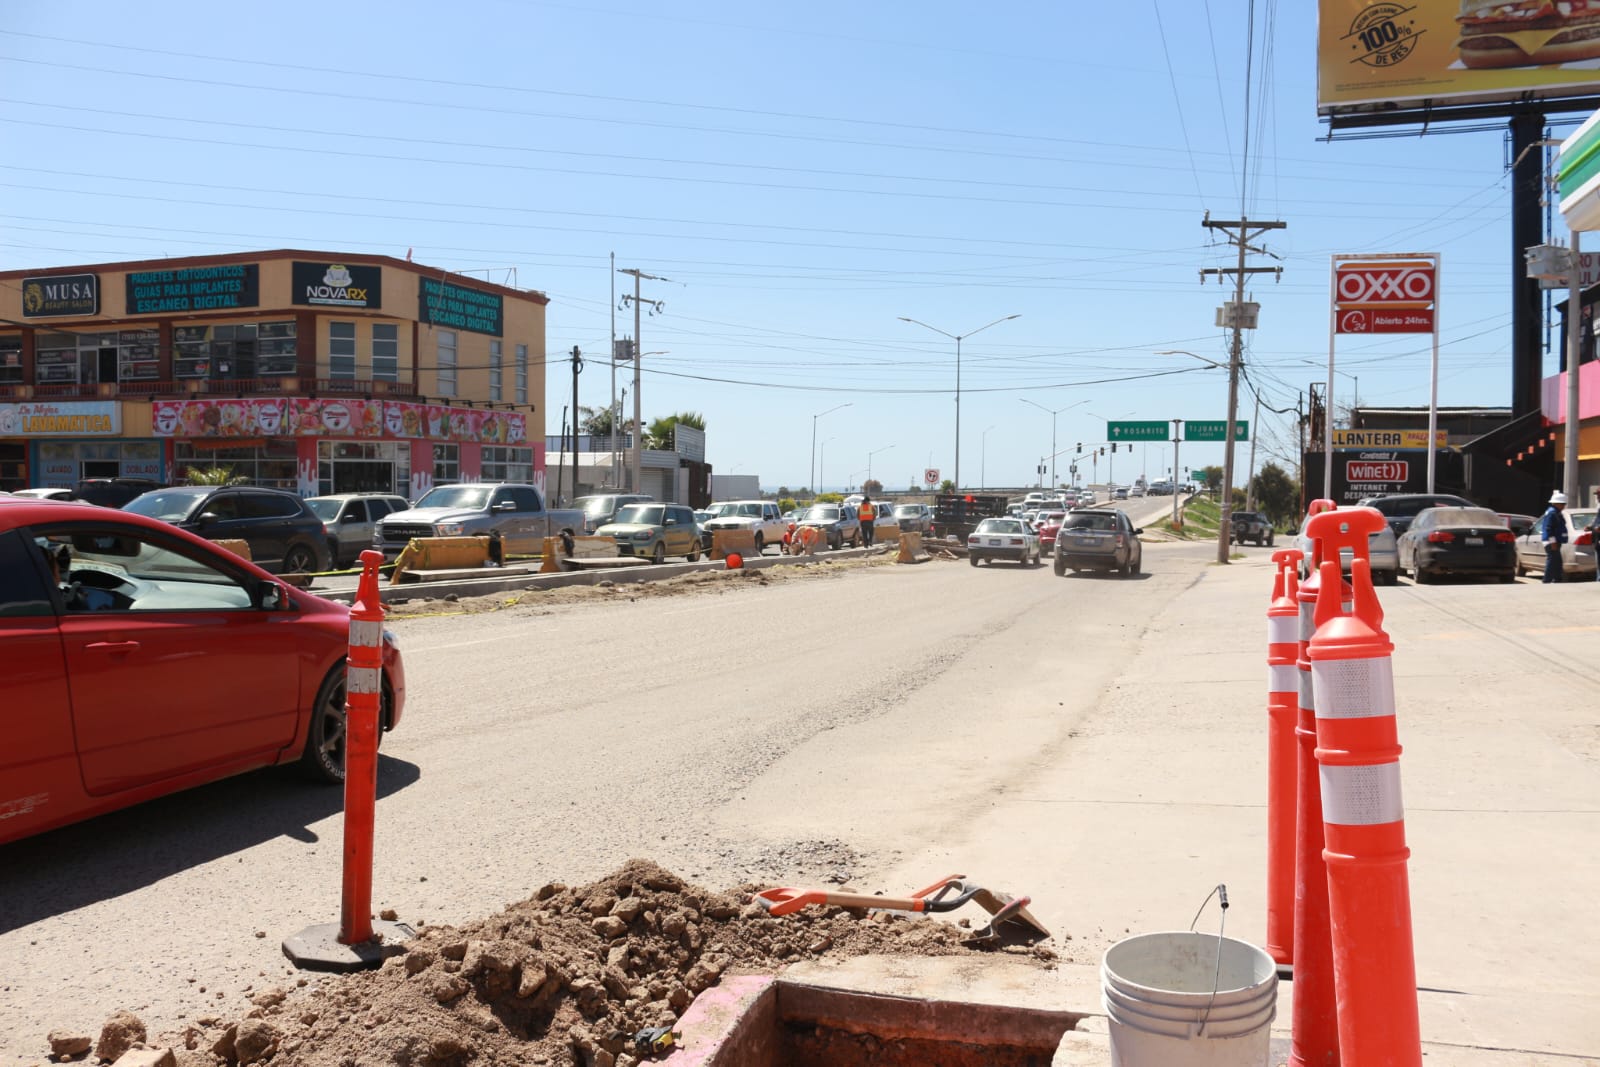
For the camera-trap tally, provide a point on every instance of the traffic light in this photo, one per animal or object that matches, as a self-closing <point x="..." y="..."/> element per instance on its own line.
<point x="1080" y="446"/>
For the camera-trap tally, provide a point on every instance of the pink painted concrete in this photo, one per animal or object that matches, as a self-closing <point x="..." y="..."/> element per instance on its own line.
<point x="1553" y="394"/>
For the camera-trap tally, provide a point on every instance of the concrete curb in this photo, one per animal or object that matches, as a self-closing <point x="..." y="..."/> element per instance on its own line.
<point x="594" y="576"/>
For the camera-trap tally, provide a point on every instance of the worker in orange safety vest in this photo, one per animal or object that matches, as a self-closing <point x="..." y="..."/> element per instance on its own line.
<point x="868" y="515"/>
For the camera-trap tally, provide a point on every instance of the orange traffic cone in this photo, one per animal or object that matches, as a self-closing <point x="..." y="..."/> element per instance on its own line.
<point x="1314" y="1040"/>
<point x="1283" y="691"/>
<point x="1369" y="896"/>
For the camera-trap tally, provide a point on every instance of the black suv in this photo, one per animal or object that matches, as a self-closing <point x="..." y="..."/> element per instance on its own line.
<point x="1399" y="509"/>
<point x="283" y="533"/>
<point x="1251" y="526"/>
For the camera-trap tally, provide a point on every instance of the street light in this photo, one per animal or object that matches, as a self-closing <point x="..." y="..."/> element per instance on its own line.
<point x="874" y="452"/>
<point x="1052" y="414"/>
<point x="983" y="459"/>
<point x="957" y="337"/>
<point x="814" y="419"/>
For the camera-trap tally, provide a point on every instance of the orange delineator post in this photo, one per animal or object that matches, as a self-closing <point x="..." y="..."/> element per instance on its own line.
<point x="1283" y="694"/>
<point x="363" y="693"/>
<point x="1314" y="1039"/>
<point x="1358" y="751"/>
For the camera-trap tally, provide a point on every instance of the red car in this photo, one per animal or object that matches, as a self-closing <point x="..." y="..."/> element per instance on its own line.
<point x="1048" y="523"/>
<point x="139" y="660"/>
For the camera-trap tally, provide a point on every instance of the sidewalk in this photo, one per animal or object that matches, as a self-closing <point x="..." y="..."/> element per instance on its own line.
<point x="1160" y="797"/>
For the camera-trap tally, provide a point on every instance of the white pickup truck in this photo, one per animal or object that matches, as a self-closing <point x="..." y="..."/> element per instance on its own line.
<point x="760" y="517"/>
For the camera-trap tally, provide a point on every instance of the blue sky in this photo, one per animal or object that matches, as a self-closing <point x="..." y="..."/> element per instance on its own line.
<point x="804" y="177"/>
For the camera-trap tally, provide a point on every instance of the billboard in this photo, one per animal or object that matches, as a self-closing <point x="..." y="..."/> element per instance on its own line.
<point x="1384" y="294"/>
<point x="1382" y="52"/>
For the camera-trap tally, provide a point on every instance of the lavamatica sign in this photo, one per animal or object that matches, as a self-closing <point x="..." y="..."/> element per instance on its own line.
<point x="337" y="285"/>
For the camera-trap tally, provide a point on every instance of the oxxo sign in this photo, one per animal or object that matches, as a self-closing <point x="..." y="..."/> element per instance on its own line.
<point x="1391" y="295"/>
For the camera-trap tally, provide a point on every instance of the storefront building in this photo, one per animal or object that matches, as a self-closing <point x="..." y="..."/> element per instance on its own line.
<point x="310" y="371"/>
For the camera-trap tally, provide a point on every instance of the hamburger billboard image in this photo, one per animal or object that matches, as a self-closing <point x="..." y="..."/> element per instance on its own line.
<point x="1383" y="52"/>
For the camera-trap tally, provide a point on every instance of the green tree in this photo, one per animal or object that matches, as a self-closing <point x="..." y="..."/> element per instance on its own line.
<point x="659" y="434"/>
<point x="783" y="491"/>
<point x="598" y="421"/>
<point x="786" y="503"/>
<point x="1210" y="477"/>
<point x="830" y="498"/>
<point x="947" y="486"/>
<point x="871" y="486"/>
<point x="1277" y="495"/>
<point x="213" y="476"/>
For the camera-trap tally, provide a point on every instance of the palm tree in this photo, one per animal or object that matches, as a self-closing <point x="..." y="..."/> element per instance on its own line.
<point x="659" y="435"/>
<point x="213" y="476"/>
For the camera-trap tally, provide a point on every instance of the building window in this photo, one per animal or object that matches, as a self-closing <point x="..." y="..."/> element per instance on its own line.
<point x="496" y="358"/>
<point x="385" y="352"/>
<point x="446" y="464"/>
<point x="341" y="350"/>
<point x="507" y="464"/>
<point x="55" y="359"/>
<point x="447" y="363"/>
<point x="522" y="374"/>
<point x="136" y="355"/>
<point x="245" y="350"/>
<point x="275" y="349"/>
<point x="10" y="361"/>
<point x="272" y="464"/>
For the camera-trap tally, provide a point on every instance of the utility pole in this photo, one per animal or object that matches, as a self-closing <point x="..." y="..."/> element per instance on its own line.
<point x="1177" y="434"/>
<point x="1250" y="479"/>
<point x="1240" y="316"/>
<point x="577" y="369"/>
<point x="638" y="358"/>
<point x="616" y="483"/>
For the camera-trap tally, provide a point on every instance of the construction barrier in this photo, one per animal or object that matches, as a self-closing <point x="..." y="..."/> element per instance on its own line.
<point x="1283" y="690"/>
<point x="363" y="698"/>
<point x="556" y="550"/>
<point x="1314" y="1040"/>
<point x="911" y="550"/>
<point x="725" y="541"/>
<point x="237" y="546"/>
<point x="883" y="533"/>
<point x="1358" y="753"/>
<point x="439" y="553"/>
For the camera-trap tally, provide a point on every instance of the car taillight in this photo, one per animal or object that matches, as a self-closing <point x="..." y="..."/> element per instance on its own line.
<point x="972" y="539"/>
<point x="1506" y="537"/>
<point x="1016" y="540"/>
<point x="1585" y="538"/>
<point x="1441" y="537"/>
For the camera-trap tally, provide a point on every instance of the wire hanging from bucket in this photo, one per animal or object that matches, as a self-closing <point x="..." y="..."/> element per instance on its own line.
<point x="1221" y="893"/>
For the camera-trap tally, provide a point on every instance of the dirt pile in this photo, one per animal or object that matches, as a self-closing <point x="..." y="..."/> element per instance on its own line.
<point x="567" y="976"/>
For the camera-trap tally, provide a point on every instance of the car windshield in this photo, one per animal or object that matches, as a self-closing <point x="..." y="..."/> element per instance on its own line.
<point x="643" y="514"/>
<point x="907" y="509"/>
<point x="823" y="514"/>
<point x="325" y="508"/>
<point x="1090" y="521"/>
<point x="739" y="509"/>
<point x="166" y="505"/>
<point x="597" y="505"/>
<point x="457" y="496"/>
<point x="1051" y="516"/>
<point x="1581" y="520"/>
<point x="1007" y="526"/>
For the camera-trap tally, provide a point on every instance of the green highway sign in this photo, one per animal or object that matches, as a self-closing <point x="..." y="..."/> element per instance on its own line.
<point x="1215" y="430"/>
<point x="1157" y="430"/>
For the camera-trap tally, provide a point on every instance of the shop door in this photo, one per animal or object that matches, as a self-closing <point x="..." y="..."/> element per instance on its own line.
<point x="108" y="365"/>
<point x="366" y="476"/>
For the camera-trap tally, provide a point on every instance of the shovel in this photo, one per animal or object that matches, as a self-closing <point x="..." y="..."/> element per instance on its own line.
<point x="947" y="894"/>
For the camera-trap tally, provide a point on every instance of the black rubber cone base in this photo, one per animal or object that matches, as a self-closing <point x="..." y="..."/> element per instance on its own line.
<point x="317" y="948"/>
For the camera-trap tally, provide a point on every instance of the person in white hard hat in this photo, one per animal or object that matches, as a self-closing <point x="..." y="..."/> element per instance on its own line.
<point x="1553" y="532"/>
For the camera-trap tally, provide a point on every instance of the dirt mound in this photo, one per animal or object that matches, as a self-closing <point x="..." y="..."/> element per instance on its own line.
<point x="567" y="976"/>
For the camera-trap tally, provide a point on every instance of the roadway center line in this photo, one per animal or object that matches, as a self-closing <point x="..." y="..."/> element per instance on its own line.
<point x="519" y="635"/>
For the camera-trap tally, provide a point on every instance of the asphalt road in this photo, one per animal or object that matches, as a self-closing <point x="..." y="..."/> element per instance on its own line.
<point x="1095" y="741"/>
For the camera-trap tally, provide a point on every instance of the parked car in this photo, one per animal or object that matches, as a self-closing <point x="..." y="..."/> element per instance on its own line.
<point x="701" y="517"/>
<point x="1399" y="509"/>
<point x="112" y="492"/>
<point x="48" y="493"/>
<point x="1252" y="526"/>
<point x="515" y="512"/>
<point x="349" y="519"/>
<point x="655" y="531"/>
<point x="1101" y="539"/>
<point x="836" y="522"/>
<point x="1383" y="555"/>
<point x="150" y="661"/>
<point x="1577" y="555"/>
<point x="761" y="517"/>
<point x="600" y="508"/>
<point x="1048" y="525"/>
<point x="282" y="532"/>
<point x="1519" y="524"/>
<point x="1004" y="538"/>
<point x="913" y="518"/>
<point x="1458" y="541"/>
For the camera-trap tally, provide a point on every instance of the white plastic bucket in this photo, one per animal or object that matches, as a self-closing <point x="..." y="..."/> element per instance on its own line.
<point x="1171" y="1006"/>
